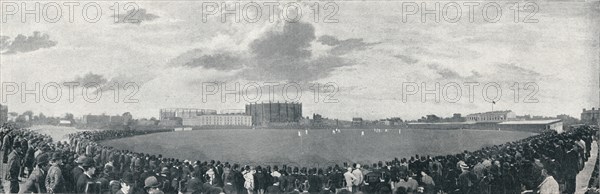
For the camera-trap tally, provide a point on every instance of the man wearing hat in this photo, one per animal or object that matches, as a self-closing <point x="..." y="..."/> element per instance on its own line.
<point x="152" y="185"/>
<point x="36" y="181"/>
<point x="14" y="167"/>
<point x="84" y="179"/>
<point x="126" y="184"/>
<point x="54" y="179"/>
<point x="77" y="171"/>
<point x="466" y="180"/>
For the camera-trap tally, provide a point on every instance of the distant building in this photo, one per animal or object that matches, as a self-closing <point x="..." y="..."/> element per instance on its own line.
<point x="172" y="113"/>
<point x="384" y="122"/>
<point x="590" y="117"/>
<point x="3" y="114"/>
<point x="357" y="121"/>
<point x="102" y="120"/>
<point x="95" y="120"/>
<point x="493" y="116"/>
<point x="264" y="114"/>
<point x="219" y="120"/>
<point x="536" y="126"/>
<point x="65" y="123"/>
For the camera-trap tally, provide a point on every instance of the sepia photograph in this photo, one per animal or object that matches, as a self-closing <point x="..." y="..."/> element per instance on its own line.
<point x="300" y="96"/>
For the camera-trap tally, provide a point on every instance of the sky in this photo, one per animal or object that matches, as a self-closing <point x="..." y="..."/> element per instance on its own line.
<point x="370" y="59"/>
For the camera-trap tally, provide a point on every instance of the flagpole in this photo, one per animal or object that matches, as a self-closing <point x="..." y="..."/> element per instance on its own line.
<point x="301" y="145"/>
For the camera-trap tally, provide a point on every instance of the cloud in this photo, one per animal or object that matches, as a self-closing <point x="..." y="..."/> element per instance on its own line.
<point x="24" y="44"/>
<point x="135" y="16"/>
<point x="90" y="79"/>
<point x="220" y="61"/>
<point x="341" y="47"/>
<point x="444" y="72"/>
<point x="449" y="74"/>
<point x="407" y="59"/>
<point x="293" y="42"/>
<point x="282" y="53"/>
<point x="4" y="42"/>
<point x="513" y="69"/>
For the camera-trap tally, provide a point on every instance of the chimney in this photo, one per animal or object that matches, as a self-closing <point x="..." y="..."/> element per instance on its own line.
<point x="593" y="108"/>
<point x="584" y="110"/>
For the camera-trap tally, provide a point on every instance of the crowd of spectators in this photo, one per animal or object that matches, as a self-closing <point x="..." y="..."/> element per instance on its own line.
<point x="546" y="163"/>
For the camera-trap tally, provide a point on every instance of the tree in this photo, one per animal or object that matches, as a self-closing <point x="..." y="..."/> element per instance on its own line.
<point x="28" y="114"/>
<point x="70" y="117"/>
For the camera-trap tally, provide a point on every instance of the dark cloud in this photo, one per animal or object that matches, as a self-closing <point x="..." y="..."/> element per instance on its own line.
<point x="514" y="69"/>
<point x="24" y="44"/>
<point x="449" y="74"/>
<point x="90" y="80"/>
<point x="278" y="55"/>
<point x="444" y="72"/>
<point x="220" y="61"/>
<point x="292" y="42"/>
<point x="135" y="16"/>
<point x="4" y="42"/>
<point x="407" y="59"/>
<point x="341" y="47"/>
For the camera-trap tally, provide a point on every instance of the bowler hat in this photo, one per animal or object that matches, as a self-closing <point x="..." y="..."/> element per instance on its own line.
<point x="87" y="162"/>
<point x="80" y="159"/>
<point x="56" y="156"/>
<point x="164" y="170"/>
<point x="151" y="182"/>
<point x="127" y="179"/>
<point x="42" y="159"/>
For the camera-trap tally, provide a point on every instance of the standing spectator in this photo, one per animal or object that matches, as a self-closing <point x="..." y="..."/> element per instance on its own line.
<point x="349" y="178"/>
<point x="249" y="179"/>
<point x="126" y="184"/>
<point x="76" y="172"/>
<point x="314" y="182"/>
<point x="14" y="167"/>
<point x="152" y="185"/>
<point x="428" y="183"/>
<point x="549" y="185"/>
<point x="357" y="183"/>
<point x="466" y="180"/>
<point x="6" y="147"/>
<point x="86" y="178"/>
<point x="36" y="181"/>
<point x="54" y="180"/>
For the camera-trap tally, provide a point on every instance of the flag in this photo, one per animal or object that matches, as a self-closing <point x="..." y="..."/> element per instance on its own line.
<point x="493" y="102"/>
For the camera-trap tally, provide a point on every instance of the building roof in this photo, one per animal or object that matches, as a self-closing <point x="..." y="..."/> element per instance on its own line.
<point x="442" y="123"/>
<point x="492" y="112"/>
<point x="530" y="122"/>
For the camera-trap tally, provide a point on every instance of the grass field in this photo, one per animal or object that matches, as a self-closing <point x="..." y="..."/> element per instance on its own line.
<point x="316" y="147"/>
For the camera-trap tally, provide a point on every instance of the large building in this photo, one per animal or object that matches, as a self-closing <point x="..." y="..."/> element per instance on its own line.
<point x="590" y="117"/>
<point x="219" y="120"/>
<point x="493" y="116"/>
<point x="173" y="113"/>
<point x="265" y="113"/>
<point x="3" y="114"/>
